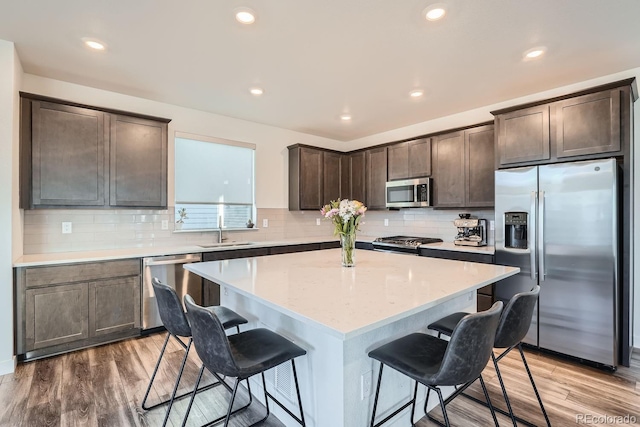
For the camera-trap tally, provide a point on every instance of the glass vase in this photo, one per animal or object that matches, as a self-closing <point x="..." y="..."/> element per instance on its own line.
<point x="348" y="243"/>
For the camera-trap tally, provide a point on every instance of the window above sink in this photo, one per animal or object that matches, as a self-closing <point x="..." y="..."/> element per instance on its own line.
<point x="214" y="183"/>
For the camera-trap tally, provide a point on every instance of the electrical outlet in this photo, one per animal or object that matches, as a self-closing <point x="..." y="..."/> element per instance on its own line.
<point x="66" y="228"/>
<point x="492" y="225"/>
<point x="386" y="222"/>
<point x="365" y="385"/>
<point x="265" y="223"/>
<point x="317" y="221"/>
<point x="165" y="224"/>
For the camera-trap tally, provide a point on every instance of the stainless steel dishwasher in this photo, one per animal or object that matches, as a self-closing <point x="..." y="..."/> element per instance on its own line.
<point x="169" y="270"/>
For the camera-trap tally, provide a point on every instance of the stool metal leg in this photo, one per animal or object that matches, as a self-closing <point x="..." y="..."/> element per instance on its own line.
<point x="533" y="384"/>
<point x="375" y="400"/>
<point x="504" y="390"/>
<point x="486" y="395"/>
<point x="295" y="378"/>
<point x="175" y="387"/>
<point x="153" y="376"/>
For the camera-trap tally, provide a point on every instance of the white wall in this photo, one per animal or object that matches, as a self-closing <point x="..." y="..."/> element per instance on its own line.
<point x="10" y="72"/>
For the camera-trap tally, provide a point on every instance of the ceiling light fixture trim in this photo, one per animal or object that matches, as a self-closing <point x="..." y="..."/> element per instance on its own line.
<point x="245" y="16"/>
<point x="416" y="93"/>
<point x="256" y="91"/>
<point x="534" y="53"/>
<point x="345" y="117"/>
<point x="434" y="12"/>
<point x="94" y="44"/>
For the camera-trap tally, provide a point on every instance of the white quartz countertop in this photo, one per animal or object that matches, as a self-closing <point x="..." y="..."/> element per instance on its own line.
<point x="450" y="246"/>
<point x="383" y="287"/>
<point x="113" y="254"/>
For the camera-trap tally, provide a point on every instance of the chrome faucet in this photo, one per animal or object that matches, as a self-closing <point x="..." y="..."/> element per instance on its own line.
<point x="220" y="229"/>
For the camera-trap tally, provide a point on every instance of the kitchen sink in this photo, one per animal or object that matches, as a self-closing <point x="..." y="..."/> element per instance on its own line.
<point x="227" y="244"/>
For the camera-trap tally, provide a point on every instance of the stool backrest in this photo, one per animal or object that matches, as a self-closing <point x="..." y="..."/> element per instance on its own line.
<point x="210" y="339"/>
<point x="469" y="348"/>
<point x="516" y="318"/>
<point x="170" y="309"/>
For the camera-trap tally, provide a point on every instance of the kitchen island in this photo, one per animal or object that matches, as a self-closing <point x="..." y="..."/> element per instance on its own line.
<point x="339" y="314"/>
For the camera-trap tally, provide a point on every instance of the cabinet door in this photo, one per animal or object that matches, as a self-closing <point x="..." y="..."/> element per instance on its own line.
<point x="345" y="176"/>
<point x="479" y="165"/>
<point x="420" y="158"/>
<point x="588" y="124"/>
<point x="398" y="161"/>
<point x="358" y="176"/>
<point x="331" y="177"/>
<point x="114" y="305"/>
<point x="523" y="135"/>
<point x="449" y="172"/>
<point x="68" y="149"/>
<point x="376" y="178"/>
<point x="138" y="169"/>
<point x="311" y="181"/>
<point x="56" y="315"/>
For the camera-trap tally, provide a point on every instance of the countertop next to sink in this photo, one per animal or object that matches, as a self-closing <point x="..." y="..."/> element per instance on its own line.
<point x="449" y="246"/>
<point x="34" y="260"/>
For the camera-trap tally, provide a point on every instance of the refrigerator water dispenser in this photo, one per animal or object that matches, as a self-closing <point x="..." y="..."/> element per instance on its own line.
<point x="515" y="230"/>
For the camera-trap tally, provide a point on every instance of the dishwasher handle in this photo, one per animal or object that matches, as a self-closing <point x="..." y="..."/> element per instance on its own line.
<point x="171" y="259"/>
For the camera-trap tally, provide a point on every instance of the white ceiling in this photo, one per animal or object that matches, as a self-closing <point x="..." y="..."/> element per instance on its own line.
<point x="318" y="59"/>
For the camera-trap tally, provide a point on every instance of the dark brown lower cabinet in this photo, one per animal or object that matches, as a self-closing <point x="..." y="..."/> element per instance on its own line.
<point x="65" y="307"/>
<point x="485" y="294"/>
<point x="56" y="315"/>
<point x="114" y="305"/>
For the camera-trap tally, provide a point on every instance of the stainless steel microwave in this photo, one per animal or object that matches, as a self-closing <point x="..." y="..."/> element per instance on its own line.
<point x="409" y="193"/>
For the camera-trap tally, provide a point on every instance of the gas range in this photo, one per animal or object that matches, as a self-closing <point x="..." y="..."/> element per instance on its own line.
<point x="402" y="243"/>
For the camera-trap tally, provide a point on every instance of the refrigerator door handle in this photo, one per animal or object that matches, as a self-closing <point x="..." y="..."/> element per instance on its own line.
<point x="532" y="234"/>
<point x="541" y="238"/>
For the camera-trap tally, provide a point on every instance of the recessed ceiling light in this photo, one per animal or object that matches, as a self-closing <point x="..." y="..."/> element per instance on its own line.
<point x="534" y="53"/>
<point x="244" y="15"/>
<point x="434" y="12"/>
<point x="345" y="117"/>
<point x="94" y="44"/>
<point x="416" y="93"/>
<point x="256" y="91"/>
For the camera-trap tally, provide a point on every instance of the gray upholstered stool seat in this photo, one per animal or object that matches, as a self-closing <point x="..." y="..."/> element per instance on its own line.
<point x="434" y="362"/>
<point x="242" y="356"/>
<point x="176" y="324"/>
<point x="512" y="328"/>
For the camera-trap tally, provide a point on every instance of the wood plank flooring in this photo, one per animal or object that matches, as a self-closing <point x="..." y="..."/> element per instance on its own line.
<point x="104" y="386"/>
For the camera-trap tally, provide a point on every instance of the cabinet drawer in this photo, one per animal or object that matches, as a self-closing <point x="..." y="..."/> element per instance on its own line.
<point x="44" y="276"/>
<point x="486" y="290"/>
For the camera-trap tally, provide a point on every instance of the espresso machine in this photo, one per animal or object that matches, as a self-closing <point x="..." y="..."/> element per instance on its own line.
<point x="471" y="231"/>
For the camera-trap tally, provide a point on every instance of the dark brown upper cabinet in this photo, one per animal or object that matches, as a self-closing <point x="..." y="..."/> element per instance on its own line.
<point x="357" y="176"/>
<point x="586" y="125"/>
<point x="67" y="154"/>
<point x="316" y="176"/>
<point x="463" y="168"/>
<point x="479" y="166"/>
<point x="523" y="135"/>
<point x="332" y="168"/>
<point x="410" y="159"/>
<point x="74" y="155"/>
<point x="138" y="166"/>
<point x="376" y="160"/>
<point x="448" y="170"/>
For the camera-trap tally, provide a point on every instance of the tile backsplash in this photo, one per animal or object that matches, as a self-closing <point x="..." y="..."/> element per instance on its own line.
<point x="125" y="228"/>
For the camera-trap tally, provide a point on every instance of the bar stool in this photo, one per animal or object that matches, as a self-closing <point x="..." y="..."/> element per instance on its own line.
<point x="435" y="362"/>
<point x="176" y="323"/>
<point x="241" y="356"/>
<point x="514" y="324"/>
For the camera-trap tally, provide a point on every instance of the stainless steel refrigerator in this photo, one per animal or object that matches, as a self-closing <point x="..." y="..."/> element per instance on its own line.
<point x="559" y="224"/>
